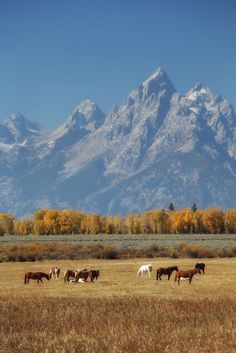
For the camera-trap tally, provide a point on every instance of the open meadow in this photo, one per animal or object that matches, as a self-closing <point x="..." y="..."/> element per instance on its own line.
<point x="119" y="312"/>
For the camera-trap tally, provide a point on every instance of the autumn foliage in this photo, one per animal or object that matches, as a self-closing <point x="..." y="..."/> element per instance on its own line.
<point x="54" y="222"/>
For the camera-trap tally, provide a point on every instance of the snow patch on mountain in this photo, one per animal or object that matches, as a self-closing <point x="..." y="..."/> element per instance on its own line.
<point x="158" y="146"/>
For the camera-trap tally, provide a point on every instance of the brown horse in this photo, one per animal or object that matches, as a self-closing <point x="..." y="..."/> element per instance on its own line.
<point x="201" y="266"/>
<point x="188" y="274"/>
<point x="83" y="274"/>
<point x="35" y="275"/>
<point x="69" y="275"/>
<point x="166" y="271"/>
<point x="94" y="274"/>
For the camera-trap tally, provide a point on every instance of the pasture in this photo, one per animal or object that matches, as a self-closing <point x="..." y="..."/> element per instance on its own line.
<point x="126" y="241"/>
<point x="119" y="312"/>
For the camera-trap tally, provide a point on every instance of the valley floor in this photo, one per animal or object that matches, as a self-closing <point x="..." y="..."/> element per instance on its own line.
<point x="120" y="312"/>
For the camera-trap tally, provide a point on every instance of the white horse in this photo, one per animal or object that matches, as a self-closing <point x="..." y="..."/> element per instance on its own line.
<point x="145" y="269"/>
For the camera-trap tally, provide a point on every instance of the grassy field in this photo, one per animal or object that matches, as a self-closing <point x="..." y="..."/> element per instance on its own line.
<point x="119" y="313"/>
<point x="128" y="241"/>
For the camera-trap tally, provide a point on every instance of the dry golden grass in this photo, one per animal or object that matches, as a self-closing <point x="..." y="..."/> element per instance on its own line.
<point x="118" y="278"/>
<point x="119" y="313"/>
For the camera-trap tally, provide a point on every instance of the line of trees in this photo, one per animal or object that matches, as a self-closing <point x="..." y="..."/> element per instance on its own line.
<point x="50" y="221"/>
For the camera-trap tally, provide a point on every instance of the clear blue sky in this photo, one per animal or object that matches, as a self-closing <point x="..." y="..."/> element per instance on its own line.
<point x="54" y="53"/>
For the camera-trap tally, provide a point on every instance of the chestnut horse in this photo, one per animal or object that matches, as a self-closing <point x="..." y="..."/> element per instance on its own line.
<point x="188" y="274"/>
<point x="36" y="275"/>
<point x="166" y="271"/>
<point x="69" y="275"/>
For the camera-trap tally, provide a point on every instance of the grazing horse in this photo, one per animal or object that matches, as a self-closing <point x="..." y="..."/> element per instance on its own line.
<point x="145" y="269"/>
<point x="166" y="271"/>
<point x="201" y="266"/>
<point x="69" y="275"/>
<point x="83" y="274"/>
<point x="188" y="274"/>
<point x="94" y="274"/>
<point x="35" y="275"/>
<point x="54" y="272"/>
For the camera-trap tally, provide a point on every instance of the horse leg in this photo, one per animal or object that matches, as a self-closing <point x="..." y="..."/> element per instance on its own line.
<point x="178" y="280"/>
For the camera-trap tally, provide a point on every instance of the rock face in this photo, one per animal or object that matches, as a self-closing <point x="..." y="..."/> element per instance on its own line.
<point x="158" y="146"/>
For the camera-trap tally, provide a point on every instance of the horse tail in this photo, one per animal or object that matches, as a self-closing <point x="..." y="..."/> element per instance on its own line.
<point x="157" y="274"/>
<point x="176" y="275"/>
<point x="25" y="279"/>
<point x="65" y="276"/>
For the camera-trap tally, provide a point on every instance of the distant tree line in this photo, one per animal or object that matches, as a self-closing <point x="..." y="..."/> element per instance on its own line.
<point x="193" y="220"/>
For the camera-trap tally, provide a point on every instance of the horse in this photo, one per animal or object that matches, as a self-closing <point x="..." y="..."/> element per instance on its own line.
<point x="201" y="266"/>
<point x="69" y="275"/>
<point x="54" y="272"/>
<point x="166" y="271"/>
<point x="188" y="274"/>
<point x="36" y="275"/>
<point x="94" y="274"/>
<point x="145" y="269"/>
<point x="83" y="274"/>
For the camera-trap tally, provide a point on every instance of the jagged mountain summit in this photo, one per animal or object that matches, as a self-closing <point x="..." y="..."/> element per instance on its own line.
<point x="158" y="146"/>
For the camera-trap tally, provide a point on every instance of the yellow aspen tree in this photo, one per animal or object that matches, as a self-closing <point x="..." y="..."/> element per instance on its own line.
<point x="118" y="224"/>
<point x="230" y="220"/>
<point x="7" y="223"/>
<point x="50" y="221"/>
<point x="213" y="220"/>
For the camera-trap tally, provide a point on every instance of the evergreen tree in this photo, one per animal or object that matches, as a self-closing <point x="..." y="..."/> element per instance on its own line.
<point x="171" y="207"/>
<point x="194" y="207"/>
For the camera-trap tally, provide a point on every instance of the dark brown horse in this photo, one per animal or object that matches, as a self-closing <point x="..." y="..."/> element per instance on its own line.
<point x="83" y="274"/>
<point x="201" y="266"/>
<point x="94" y="274"/>
<point x="188" y="274"/>
<point x="166" y="271"/>
<point x="36" y="275"/>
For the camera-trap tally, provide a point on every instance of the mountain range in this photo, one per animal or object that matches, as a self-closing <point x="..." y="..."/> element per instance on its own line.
<point x="158" y="147"/>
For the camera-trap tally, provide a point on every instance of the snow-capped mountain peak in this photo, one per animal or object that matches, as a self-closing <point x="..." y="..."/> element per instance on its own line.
<point x="158" y="146"/>
<point x="200" y="92"/>
<point x="157" y="83"/>
<point x="17" y="129"/>
<point x="87" y="108"/>
<point x="86" y="115"/>
<point x="84" y="119"/>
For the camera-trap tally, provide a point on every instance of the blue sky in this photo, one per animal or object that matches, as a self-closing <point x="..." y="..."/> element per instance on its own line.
<point x="56" y="53"/>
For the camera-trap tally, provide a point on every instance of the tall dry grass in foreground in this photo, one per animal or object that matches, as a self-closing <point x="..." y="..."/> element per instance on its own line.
<point x="119" y="312"/>
<point x="117" y="325"/>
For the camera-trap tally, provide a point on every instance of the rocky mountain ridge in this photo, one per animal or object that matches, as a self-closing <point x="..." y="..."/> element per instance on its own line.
<point x="158" y="146"/>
